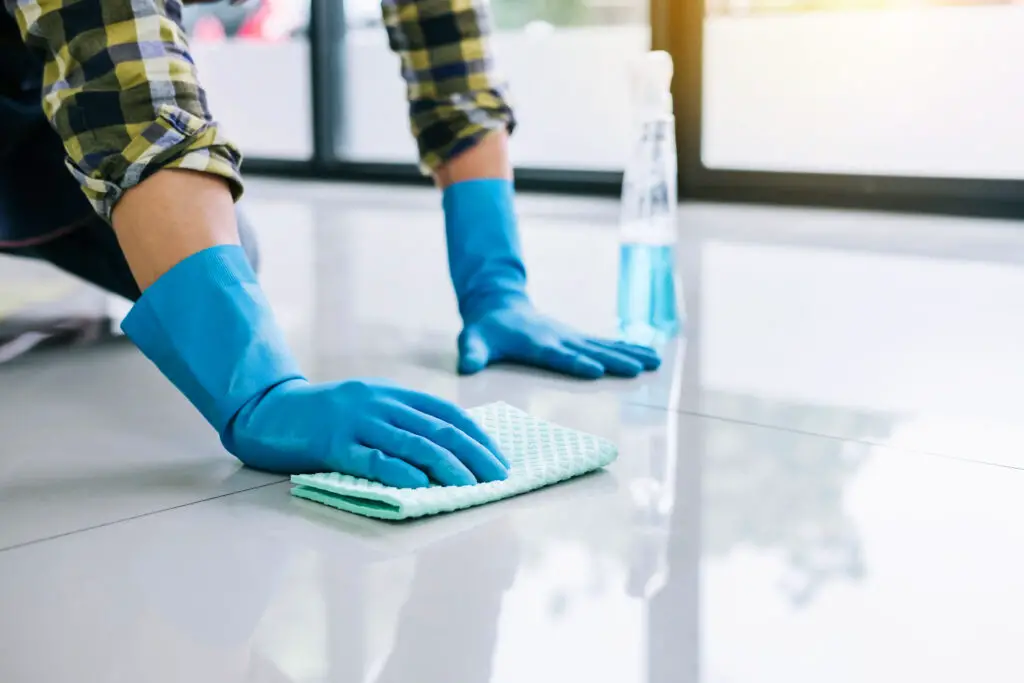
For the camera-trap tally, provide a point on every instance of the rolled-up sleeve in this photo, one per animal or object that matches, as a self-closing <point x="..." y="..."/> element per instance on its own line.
<point x="456" y="95"/>
<point x="121" y="89"/>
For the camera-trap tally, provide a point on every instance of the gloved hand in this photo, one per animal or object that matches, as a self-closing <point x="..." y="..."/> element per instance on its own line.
<point x="518" y="334"/>
<point x="500" y="322"/>
<point x="367" y="429"/>
<point x="208" y="327"/>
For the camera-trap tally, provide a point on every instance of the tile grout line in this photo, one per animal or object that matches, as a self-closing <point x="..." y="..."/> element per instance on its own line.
<point x="691" y="413"/>
<point x="832" y="437"/>
<point x="151" y="513"/>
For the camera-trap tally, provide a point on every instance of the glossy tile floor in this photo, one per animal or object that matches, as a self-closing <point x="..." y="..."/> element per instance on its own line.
<point x="823" y="483"/>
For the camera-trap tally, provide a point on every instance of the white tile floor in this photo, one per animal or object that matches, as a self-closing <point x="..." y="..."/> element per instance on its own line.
<point x="823" y="483"/>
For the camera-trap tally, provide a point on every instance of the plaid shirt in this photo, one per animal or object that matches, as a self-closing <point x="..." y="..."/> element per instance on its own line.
<point x="455" y="95"/>
<point x="119" y="86"/>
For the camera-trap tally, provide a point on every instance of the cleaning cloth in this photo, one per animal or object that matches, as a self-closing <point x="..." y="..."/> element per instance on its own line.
<point x="541" y="454"/>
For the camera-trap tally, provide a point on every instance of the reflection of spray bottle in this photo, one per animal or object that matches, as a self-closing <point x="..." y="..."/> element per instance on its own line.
<point x="654" y="498"/>
<point x="647" y="290"/>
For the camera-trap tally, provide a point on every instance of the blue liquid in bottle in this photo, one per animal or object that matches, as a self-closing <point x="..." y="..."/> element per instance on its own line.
<point x="648" y="311"/>
<point x="648" y="307"/>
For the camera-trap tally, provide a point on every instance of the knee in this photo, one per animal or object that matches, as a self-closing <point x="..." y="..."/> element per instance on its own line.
<point x="247" y="236"/>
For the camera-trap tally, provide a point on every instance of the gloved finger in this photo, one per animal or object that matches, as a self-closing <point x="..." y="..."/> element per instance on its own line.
<point x="474" y="352"/>
<point x="614" y="362"/>
<point x="371" y="463"/>
<point x="471" y="453"/>
<point x="646" y="355"/>
<point x="562" y="359"/>
<point x="447" y="412"/>
<point x="442" y="466"/>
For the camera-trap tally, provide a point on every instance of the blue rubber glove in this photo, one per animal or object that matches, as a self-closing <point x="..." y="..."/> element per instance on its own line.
<point x="500" y="322"/>
<point x="208" y="327"/>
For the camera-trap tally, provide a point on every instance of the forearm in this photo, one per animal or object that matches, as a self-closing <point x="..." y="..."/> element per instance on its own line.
<point x="157" y="228"/>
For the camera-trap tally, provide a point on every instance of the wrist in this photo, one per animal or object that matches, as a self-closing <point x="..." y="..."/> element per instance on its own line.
<point x="488" y="158"/>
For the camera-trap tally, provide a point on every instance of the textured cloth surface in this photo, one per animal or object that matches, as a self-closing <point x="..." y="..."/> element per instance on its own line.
<point x="541" y="454"/>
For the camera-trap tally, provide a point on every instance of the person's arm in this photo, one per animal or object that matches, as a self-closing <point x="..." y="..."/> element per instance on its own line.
<point x="456" y="96"/>
<point x="462" y="120"/>
<point x="122" y="91"/>
<point x="459" y="109"/>
<point x="132" y="121"/>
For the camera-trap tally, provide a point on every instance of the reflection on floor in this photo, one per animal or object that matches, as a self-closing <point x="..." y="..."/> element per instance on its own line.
<point x="40" y="306"/>
<point x="823" y="483"/>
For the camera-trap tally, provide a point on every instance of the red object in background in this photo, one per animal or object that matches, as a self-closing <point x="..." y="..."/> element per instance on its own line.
<point x="208" y="29"/>
<point x="265" y="24"/>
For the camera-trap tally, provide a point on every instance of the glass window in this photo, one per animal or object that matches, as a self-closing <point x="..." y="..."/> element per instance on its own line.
<point x="879" y="87"/>
<point x="567" y="63"/>
<point x="253" y="59"/>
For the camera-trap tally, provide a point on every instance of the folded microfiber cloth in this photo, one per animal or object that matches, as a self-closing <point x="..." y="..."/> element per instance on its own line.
<point x="541" y="454"/>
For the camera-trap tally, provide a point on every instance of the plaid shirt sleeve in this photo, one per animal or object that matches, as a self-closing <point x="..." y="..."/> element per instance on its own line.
<point x="120" y="88"/>
<point x="455" y="95"/>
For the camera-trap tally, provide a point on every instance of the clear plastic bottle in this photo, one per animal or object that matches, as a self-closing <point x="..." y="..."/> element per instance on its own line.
<point x="648" y="306"/>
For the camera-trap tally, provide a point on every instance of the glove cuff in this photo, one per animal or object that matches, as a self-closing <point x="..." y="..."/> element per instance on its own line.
<point x="209" y="329"/>
<point x="484" y="256"/>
